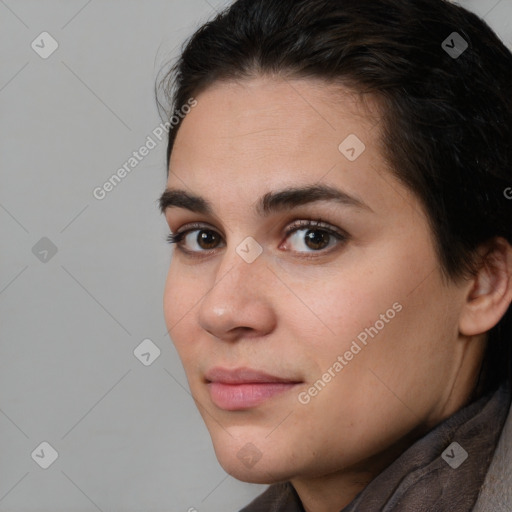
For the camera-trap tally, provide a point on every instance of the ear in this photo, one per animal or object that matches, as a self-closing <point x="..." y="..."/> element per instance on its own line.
<point x="490" y="291"/>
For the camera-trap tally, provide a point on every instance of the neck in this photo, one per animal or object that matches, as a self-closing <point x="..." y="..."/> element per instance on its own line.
<point x="333" y="492"/>
<point x="330" y="494"/>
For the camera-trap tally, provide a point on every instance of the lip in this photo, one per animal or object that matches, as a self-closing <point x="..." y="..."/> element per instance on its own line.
<point x="243" y="388"/>
<point x="243" y="376"/>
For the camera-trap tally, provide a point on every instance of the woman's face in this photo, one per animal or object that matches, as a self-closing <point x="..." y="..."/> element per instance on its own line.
<point x="349" y="320"/>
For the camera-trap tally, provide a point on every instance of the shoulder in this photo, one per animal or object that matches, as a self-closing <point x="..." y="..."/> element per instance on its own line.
<point x="496" y="491"/>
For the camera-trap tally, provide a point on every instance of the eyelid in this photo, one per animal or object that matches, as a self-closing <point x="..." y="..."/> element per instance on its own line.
<point x="192" y="226"/>
<point x="341" y="235"/>
<point x="319" y="224"/>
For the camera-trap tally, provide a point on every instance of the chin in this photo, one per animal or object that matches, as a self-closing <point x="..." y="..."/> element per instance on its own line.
<point x="259" y="473"/>
<point x="244" y="461"/>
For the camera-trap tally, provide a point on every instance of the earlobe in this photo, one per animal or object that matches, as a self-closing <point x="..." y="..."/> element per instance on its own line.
<point x="490" y="293"/>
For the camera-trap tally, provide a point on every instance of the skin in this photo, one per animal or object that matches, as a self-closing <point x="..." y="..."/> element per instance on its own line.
<point x="292" y="316"/>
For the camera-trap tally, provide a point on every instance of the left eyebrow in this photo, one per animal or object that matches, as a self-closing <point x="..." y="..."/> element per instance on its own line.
<point x="269" y="203"/>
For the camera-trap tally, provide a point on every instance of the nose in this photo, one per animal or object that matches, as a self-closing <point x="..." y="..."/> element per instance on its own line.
<point x="239" y="302"/>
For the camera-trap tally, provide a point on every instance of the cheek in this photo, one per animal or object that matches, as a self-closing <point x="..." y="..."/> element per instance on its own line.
<point x="178" y="303"/>
<point x="397" y="344"/>
<point x="339" y="305"/>
<point x="395" y="309"/>
<point x="170" y="299"/>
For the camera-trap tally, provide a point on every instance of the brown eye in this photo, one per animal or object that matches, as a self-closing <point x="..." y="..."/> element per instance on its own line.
<point x="198" y="240"/>
<point x="317" y="239"/>
<point x="313" y="236"/>
<point x="306" y="237"/>
<point x="207" y="239"/>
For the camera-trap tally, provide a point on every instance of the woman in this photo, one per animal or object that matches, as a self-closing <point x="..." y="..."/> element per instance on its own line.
<point x="341" y="286"/>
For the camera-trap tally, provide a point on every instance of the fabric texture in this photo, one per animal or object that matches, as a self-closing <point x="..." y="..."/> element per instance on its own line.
<point x="496" y="493"/>
<point x="425" y="477"/>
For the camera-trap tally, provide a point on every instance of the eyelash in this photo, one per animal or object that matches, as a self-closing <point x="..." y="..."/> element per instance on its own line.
<point x="319" y="225"/>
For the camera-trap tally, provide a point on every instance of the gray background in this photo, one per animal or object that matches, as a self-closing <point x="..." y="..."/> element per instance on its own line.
<point x="128" y="436"/>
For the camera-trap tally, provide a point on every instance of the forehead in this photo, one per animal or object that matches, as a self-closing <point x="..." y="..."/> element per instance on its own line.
<point x="253" y="136"/>
<point x="270" y="107"/>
